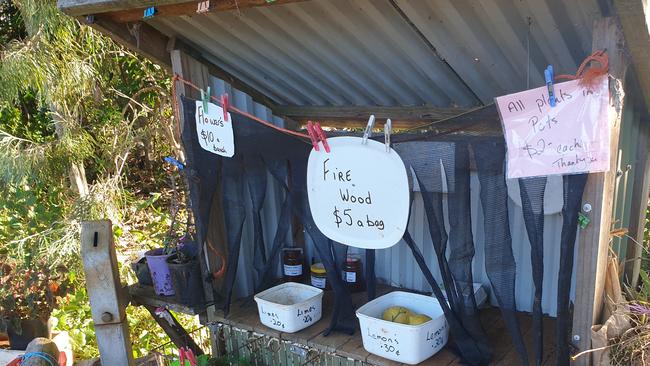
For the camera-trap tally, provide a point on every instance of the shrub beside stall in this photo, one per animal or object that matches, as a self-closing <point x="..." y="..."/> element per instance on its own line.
<point x="27" y="298"/>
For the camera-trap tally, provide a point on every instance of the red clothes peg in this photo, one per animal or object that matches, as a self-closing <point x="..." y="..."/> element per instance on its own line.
<point x="225" y="104"/>
<point x="190" y="356"/>
<point x="313" y="135"/>
<point x="322" y="136"/>
<point x="181" y="356"/>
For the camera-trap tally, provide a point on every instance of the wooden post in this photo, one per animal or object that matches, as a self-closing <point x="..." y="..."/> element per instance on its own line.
<point x="107" y="303"/>
<point x="640" y="192"/>
<point x="599" y="193"/>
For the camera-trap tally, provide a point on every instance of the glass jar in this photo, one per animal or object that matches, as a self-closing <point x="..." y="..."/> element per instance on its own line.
<point x="319" y="276"/>
<point x="292" y="265"/>
<point x="353" y="273"/>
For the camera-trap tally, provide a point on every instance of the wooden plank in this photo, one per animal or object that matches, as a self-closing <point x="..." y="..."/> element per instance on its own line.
<point x="144" y="295"/>
<point x="594" y="240"/>
<point x="634" y="15"/>
<point x="413" y="113"/>
<point x="107" y="303"/>
<point x="85" y="7"/>
<point x="140" y="38"/>
<point x="143" y="39"/>
<point x="174" y="330"/>
<point x="189" y="8"/>
<point x="640" y="192"/>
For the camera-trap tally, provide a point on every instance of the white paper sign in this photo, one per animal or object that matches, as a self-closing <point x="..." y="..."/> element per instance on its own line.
<point x="214" y="134"/>
<point x="358" y="194"/>
<point x="572" y="137"/>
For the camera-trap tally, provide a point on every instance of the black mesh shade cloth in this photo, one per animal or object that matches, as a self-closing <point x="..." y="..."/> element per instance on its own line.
<point x="440" y="166"/>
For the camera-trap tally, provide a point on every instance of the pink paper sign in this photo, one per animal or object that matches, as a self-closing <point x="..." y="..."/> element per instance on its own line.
<point x="572" y="137"/>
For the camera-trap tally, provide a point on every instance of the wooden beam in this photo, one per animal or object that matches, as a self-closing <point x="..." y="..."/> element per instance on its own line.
<point x="138" y="37"/>
<point x="174" y="330"/>
<point x="634" y="15"/>
<point x="640" y="192"/>
<point x="599" y="193"/>
<point x="146" y="40"/>
<point x="415" y="113"/>
<point x="132" y="10"/>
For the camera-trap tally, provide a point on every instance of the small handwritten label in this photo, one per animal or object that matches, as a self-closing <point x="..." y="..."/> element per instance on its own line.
<point x="358" y="193"/>
<point x="572" y="137"/>
<point x="271" y="318"/>
<point x="215" y="135"/>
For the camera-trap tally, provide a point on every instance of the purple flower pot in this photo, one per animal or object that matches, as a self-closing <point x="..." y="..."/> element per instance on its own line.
<point x="162" y="279"/>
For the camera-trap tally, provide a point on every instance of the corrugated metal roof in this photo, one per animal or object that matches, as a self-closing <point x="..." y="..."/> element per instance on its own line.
<point x="392" y="52"/>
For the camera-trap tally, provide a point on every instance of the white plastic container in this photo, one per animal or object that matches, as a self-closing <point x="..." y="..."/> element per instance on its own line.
<point x="290" y="307"/>
<point x="405" y="343"/>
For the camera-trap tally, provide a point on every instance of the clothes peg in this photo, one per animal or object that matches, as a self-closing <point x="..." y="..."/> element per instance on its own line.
<point x="181" y="356"/>
<point x="388" y="129"/>
<point x="203" y="7"/>
<point x="368" y="131"/>
<point x="323" y="137"/>
<point x="312" y="135"/>
<point x="225" y="104"/>
<point x="190" y="355"/>
<point x="174" y="162"/>
<point x="150" y="12"/>
<point x="205" y="98"/>
<point x="548" y="76"/>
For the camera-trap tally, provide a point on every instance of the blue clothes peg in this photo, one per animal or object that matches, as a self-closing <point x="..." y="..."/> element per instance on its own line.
<point x="174" y="162"/>
<point x="548" y="76"/>
<point x="149" y="12"/>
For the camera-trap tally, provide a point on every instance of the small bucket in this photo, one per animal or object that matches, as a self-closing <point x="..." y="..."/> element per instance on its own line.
<point x="160" y="276"/>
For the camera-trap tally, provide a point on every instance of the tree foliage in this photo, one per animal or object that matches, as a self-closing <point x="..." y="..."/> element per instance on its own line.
<point x="71" y="97"/>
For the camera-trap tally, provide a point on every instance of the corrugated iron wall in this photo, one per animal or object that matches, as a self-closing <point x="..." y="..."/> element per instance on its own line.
<point x="392" y="52"/>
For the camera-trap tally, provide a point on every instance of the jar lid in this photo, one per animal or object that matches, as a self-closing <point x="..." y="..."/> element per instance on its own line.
<point x="352" y="259"/>
<point x="318" y="268"/>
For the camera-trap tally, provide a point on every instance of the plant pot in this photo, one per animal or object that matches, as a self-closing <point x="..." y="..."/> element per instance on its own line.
<point x="160" y="276"/>
<point x="19" y="337"/>
<point x="141" y="269"/>
<point x="187" y="281"/>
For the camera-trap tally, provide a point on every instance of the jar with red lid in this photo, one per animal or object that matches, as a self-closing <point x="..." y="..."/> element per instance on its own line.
<point x="353" y="273"/>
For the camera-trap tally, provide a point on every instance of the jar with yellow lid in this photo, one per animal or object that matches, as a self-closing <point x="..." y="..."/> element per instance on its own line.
<point x="319" y="276"/>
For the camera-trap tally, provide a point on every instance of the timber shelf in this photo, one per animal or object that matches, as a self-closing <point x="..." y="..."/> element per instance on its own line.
<point x="243" y="315"/>
<point x="144" y="295"/>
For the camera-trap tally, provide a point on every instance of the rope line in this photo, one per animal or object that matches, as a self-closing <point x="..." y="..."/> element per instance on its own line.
<point x="230" y="108"/>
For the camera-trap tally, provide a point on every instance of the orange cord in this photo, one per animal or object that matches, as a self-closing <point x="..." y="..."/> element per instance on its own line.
<point x="588" y="76"/>
<point x="176" y="77"/>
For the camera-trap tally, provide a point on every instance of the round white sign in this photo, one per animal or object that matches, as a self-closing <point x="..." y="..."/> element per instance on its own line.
<point x="358" y="193"/>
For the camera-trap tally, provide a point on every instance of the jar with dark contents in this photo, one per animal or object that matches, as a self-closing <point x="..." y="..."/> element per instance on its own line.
<point x="353" y="273"/>
<point x="319" y="276"/>
<point x="292" y="265"/>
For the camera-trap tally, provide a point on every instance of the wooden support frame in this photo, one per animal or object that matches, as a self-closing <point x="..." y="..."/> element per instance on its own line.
<point x="107" y="300"/>
<point x="594" y="240"/>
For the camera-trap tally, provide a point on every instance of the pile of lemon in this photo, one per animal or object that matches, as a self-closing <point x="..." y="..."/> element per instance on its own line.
<point x="402" y="315"/>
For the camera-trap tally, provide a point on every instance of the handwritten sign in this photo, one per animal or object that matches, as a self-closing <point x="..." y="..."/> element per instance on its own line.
<point x="572" y="137"/>
<point x="215" y="135"/>
<point x="358" y="193"/>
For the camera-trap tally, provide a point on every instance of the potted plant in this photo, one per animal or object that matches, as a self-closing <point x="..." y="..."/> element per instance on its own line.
<point x="157" y="258"/>
<point x="186" y="272"/>
<point x="27" y="298"/>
